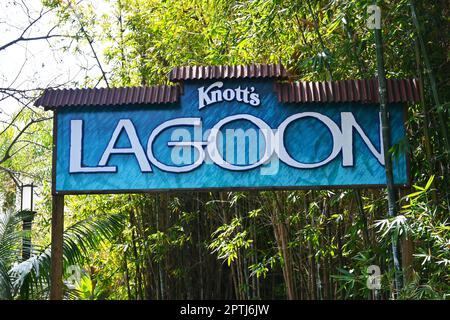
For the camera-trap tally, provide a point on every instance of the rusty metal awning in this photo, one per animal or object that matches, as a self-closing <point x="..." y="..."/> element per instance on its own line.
<point x="52" y="99"/>
<point x="228" y="72"/>
<point x="364" y="90"/>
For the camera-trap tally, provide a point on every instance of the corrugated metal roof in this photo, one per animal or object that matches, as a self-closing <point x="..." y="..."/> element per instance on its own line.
<point x="108" y="96"/>
<point x="364" y="90"/>
<point x="228" y="72"/>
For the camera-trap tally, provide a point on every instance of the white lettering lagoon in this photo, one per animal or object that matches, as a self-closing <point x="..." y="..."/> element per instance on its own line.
<point x="207" y="149"/>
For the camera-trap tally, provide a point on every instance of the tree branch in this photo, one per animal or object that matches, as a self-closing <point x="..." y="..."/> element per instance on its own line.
<point x="90" y="41"/>
<point x="8" y="150"/>
<point x="22" y="35"/>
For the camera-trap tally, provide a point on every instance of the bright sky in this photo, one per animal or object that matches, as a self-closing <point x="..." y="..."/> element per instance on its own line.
<point x="32" y="64"/>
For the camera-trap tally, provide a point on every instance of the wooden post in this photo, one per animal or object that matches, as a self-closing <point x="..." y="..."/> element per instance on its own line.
<point x="56" y="268"/>
<point x="56" y="272"/>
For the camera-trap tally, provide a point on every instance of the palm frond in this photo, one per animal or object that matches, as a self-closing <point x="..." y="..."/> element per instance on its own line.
<point x="10" y="242"/>
<point x="32" y="276"/>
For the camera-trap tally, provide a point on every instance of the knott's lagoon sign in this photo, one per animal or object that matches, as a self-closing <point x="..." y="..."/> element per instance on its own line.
<point x="221" y="133"/>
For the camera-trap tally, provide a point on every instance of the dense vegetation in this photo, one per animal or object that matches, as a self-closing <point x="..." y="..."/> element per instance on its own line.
<point x="242" y="245"/>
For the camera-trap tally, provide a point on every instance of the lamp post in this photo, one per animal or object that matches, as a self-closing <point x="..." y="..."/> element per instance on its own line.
<point x="27" y="212"/>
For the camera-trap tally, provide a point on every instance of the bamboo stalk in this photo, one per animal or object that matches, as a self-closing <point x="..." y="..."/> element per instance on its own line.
<point x="322" y="44"/>
<point x="392" y="210"/>
<point x="360" y="207"/>
<point x="427" y="120"/>
<point x="432" y="79"/>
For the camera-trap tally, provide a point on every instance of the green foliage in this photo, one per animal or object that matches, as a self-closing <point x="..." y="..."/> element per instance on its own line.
<point x="10" y="239"/>
<point x="296" y="244"/>
<point x="262" y="268"/>
<point x="228" y="240"/>
<point x="31" y="277"/>
<point x="88" y="289"/>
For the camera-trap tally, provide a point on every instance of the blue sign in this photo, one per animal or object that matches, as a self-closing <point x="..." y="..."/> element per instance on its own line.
<point x="225" y="134"/>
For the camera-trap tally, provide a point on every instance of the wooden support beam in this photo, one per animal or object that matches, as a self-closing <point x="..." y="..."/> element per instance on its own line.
<point x="56" y="272"/>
